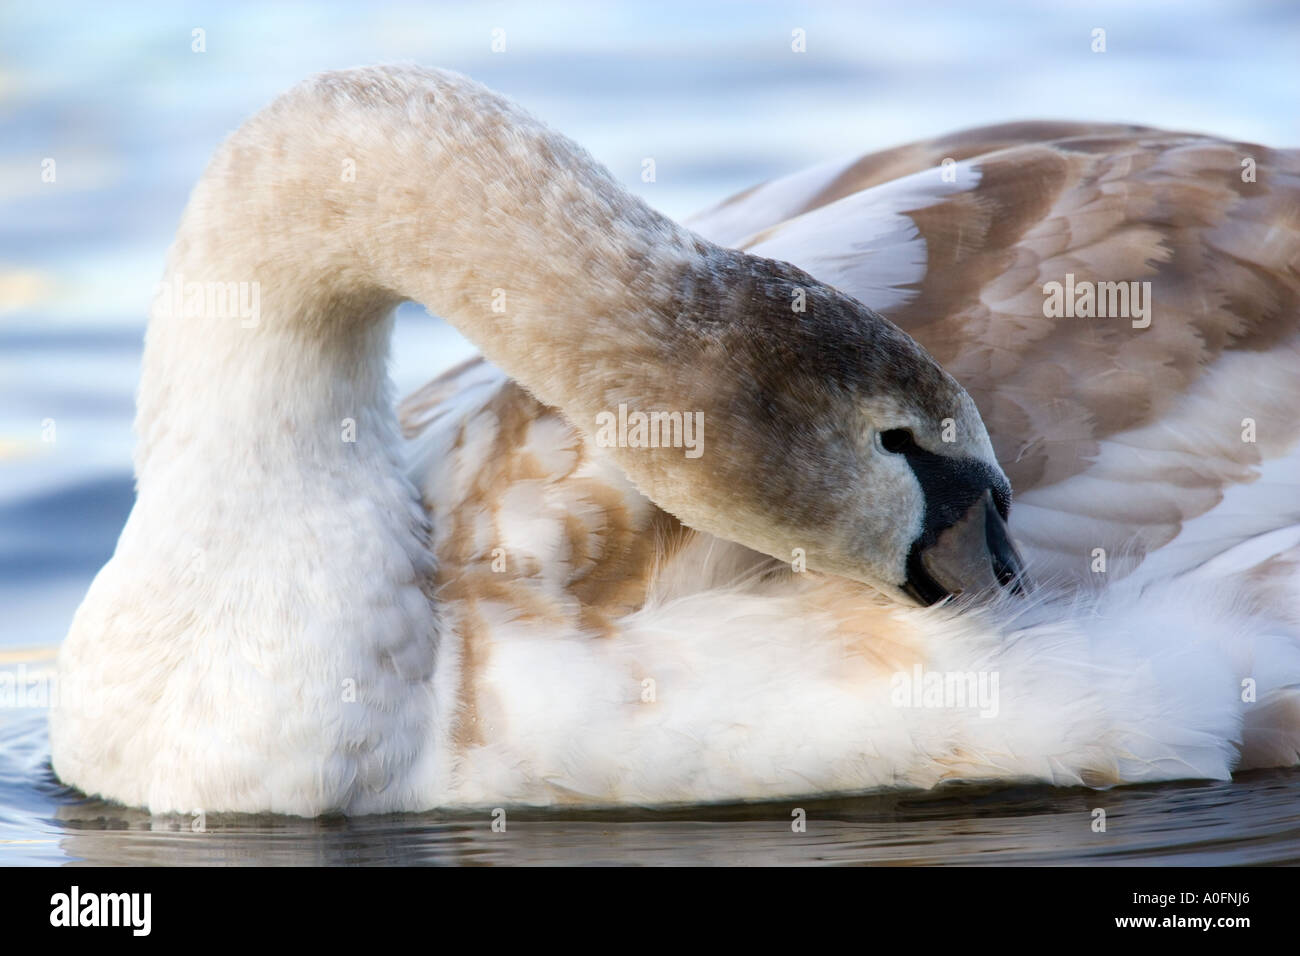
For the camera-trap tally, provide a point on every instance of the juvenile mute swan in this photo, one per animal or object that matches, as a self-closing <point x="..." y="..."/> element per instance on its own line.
<point x="310" y="611"/>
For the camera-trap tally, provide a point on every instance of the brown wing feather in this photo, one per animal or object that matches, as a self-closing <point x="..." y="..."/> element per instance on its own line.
<point x="524" y="511"/>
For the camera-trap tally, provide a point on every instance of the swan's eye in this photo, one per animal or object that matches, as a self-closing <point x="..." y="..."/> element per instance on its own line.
<point x="896" y="440"/>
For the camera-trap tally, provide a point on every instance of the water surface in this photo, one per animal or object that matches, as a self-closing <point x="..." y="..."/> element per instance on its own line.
<point x="1254" y="820"/>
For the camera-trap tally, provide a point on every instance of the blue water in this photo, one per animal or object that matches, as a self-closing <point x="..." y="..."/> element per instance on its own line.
<point x="129" y="113"/>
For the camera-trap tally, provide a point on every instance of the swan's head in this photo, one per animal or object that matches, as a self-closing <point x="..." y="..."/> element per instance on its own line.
<point x="838" y="440"/>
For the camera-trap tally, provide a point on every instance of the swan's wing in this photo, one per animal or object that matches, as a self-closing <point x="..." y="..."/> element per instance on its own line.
<point x="1164" y="445"/>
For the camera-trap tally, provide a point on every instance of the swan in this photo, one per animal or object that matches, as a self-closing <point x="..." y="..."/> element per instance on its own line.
<point x="495" y="595"/>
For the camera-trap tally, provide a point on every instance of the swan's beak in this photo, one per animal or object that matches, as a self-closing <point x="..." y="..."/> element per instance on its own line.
<point x="972" y="555"/>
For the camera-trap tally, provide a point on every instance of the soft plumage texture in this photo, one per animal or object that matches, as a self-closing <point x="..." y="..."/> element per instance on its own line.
<point x="715" y="673"/>
<point x="490" y="611"/>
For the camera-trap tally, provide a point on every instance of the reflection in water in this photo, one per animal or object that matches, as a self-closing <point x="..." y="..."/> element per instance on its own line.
<point x="1255" y="819"/>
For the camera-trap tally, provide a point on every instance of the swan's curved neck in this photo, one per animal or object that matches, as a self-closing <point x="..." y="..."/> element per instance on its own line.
<point x="356" y="191"/>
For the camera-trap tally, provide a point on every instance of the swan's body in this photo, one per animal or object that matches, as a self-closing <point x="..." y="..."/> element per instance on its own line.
<point x="486" y="610"/>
